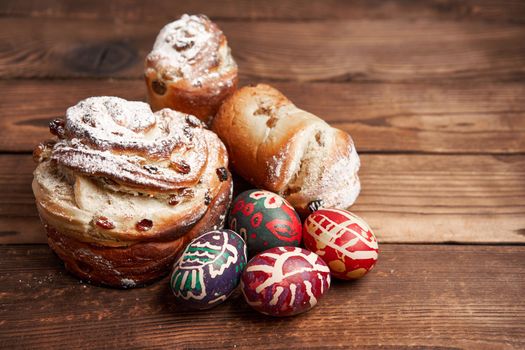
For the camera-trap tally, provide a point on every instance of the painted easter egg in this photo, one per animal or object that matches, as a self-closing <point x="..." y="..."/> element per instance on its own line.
<point x="343" y="240"/>
<point x="265" y="220"/>
<point x="285" y="281"/>
<point x="209" y="269"/>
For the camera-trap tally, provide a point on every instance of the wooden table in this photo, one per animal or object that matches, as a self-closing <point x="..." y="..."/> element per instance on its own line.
<point x="433" y="93"/>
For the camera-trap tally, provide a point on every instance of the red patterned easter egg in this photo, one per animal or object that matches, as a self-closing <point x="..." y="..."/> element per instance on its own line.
<point x="343" y="240"/>
<point x="285" y="281"/>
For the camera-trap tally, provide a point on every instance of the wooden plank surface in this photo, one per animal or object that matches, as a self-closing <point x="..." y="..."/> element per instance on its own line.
<point x="405" y="198"/>
<point x="122" y="10"/>
<point x="432" y="93"/>
<point x="432" y="297"/>
<point x="356" y="50"/>
<point x="442" y="117"/>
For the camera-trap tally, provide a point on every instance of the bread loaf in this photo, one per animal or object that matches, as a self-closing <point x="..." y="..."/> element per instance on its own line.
<point x="122" y="189"/>
<point x="281" y="148"/>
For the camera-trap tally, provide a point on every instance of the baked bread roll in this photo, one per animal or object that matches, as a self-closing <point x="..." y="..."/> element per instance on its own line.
<point x="123" y="189"/>
<point x="190" y="68"/>
<point x="281" y="148"/>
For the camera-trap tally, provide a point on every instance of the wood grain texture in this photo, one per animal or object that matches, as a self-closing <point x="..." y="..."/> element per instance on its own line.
<point x="417" y="297"/>
<point x="121" y="10"/>
<point x="357" y="50"/>
<point x="442" y="117"/>
<point x="432" y="93"/>
<point x="409" y="198"/>
<point x="405" y="198"/>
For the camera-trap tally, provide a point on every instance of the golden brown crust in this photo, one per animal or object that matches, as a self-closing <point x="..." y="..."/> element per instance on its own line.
<point x="137" y="264"/>
<point x="281" y="148"/>
<point x="202" y="102"/>
<point x="242" y="124"/>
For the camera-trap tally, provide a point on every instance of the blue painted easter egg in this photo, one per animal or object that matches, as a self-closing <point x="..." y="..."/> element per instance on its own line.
<point x="209" y="269"/>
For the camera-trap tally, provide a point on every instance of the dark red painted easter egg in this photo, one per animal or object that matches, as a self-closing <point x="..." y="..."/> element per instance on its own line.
<point x="285" y="281"/>
<point x="265" y="220"/>
<point x="343" y="240"/>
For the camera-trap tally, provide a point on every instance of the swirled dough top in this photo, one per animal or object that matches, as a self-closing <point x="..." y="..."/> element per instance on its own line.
<point x="127" y="143"/>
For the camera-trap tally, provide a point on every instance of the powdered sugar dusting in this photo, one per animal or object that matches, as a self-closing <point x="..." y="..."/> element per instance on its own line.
<point x="193" y="49"/>
<point x="277" y="170"/>
<point x="128" y="283"/>
<point x="340" y="183"/>
<point x="321" y="167"/>
<point x="107" y="121"/>
<point x="328" y="173"/>
<point x="127" y="143"/>
<point x="188" y="45"/>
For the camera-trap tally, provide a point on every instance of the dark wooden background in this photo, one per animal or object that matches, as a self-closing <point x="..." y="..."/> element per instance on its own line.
<point x="433" y="93"/>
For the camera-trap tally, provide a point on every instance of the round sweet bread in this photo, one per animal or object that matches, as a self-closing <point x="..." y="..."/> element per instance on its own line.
<point x="190" y="68"/>
<point x="122" y="189"/>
